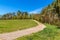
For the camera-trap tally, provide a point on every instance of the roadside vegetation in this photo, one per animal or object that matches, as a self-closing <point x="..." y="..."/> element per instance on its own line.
<point x="50" y="14"/>
<point x="14" y="25"/>
<point x="51" y="32"/>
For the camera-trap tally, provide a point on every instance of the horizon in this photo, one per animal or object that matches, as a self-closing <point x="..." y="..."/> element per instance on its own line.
<point x="31" y="6"/>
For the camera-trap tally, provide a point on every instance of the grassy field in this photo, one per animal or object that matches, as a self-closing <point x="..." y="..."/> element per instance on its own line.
<point x="49" y="33"/>
<point x="14" y="25"/>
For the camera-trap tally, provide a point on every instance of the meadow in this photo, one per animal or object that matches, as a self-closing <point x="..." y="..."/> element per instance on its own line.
<point x="14" y="25"/>
<point x="51" y="32"/>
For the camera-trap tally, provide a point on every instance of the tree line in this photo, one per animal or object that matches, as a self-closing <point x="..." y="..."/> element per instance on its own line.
<point x="16" y="15"/>
<point x="51" y="14"/>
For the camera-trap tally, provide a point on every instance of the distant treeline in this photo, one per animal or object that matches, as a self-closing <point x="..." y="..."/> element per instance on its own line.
<point x="16" y="15"/>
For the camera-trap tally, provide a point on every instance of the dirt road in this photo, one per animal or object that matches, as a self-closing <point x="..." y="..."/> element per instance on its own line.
<point x="20" y="33"/>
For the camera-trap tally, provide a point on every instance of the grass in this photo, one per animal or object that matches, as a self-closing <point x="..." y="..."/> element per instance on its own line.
<point x="14" y="25"/>
<point x="49" y="33"/>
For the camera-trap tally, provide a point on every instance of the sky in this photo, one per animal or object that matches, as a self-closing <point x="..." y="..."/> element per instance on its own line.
<point x="31" y="6"/>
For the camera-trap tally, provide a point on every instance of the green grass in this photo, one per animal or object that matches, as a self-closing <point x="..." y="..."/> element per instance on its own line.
<point x="49" y="33"/>
<point x="14" y="25"/>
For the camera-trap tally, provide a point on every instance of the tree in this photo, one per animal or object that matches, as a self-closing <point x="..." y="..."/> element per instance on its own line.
<point x="19" y="15"/>
<point x="25" y="15"/>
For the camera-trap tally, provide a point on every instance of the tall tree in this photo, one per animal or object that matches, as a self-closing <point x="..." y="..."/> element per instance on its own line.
<point x="19" y="14"/>
<point x="25" y="15"/>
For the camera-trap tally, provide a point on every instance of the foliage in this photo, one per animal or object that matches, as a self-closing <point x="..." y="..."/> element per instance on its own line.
<point x="17" y="15"/>
<point x="50" y="14"/>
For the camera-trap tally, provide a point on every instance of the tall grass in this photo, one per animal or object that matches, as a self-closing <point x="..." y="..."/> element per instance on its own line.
<point x="49" y="33"/>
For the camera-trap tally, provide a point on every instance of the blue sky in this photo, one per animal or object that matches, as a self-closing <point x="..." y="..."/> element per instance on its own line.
<point x="31" y="6"/>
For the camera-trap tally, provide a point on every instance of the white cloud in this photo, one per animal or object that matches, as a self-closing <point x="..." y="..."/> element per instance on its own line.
<point x="36" y="11"/>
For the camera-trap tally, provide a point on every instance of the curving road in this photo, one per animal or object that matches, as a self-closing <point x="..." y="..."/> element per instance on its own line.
<point x="20" y="33"/>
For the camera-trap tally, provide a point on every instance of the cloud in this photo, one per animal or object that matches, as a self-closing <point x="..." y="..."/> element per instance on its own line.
<point x="36" y="11"/>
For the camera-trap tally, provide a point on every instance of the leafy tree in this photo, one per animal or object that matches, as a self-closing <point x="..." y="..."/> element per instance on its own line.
<point x="19" y="15"/>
